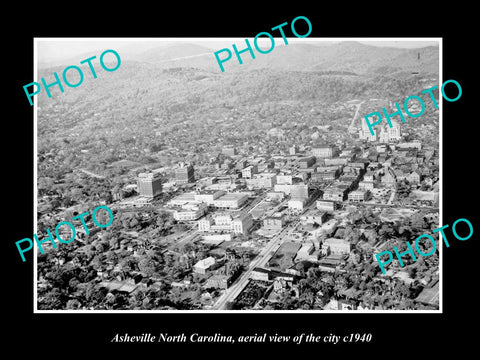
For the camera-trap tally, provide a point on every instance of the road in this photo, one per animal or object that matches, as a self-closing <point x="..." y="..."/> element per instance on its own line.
<point x="92" y="174"/>
<point x="351" y="128"/>
<point x="392" y="205"/>
<point x="254" y="203"/>
<point x="262" y="258"/>
<point x="392" y="196"/>
<point x="188" y="236"/>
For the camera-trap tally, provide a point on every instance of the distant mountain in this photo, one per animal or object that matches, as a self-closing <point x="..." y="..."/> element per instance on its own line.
<point x="342" y="57"/>
<point x="172" y="53"/>
<point x="347" y="56"/>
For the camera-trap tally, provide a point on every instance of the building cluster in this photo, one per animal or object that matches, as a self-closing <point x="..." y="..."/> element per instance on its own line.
<point x="301" y="189"/>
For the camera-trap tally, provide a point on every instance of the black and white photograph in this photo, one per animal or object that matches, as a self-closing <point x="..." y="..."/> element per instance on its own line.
<point x="259" y="187"/>
<point x="220" y="181"/>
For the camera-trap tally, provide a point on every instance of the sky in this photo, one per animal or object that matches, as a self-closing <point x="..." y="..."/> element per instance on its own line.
<point x="57" y="49"/>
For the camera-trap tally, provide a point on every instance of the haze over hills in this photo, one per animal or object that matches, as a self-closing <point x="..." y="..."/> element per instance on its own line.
<point x="178" y="82"/>
<point x="345" y="56"/>
<point x="348" y="56"/>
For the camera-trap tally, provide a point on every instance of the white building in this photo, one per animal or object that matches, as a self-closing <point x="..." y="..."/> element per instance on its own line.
<point x="237" y="224"/>
<point x="337" y="246"/>
<point x="323" y="152"/>
<point x="230" y="201"/>
<point x="327" y="205"/>
<point x="263" y="180"/>
<point x="305" y="252"/>
<point x="249" y="171"/>
<point x="190" y="212"/>
<point x="285" y="179"/>
<point x="358" y="196"/>
<point x="366" y="185"/>
<point x="208" y="196"/>
<point x="202" y="266"/>
<point x="296" y="204"/>
<point x="388" y="134"/>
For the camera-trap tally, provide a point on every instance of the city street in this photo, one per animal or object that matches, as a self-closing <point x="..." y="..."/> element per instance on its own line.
<point x="262" y="258"/>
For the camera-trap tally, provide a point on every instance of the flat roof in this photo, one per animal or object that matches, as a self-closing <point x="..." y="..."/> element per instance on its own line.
<point x="232" y="196"/>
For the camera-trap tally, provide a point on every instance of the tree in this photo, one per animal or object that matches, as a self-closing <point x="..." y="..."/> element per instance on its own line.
<point x="73" y="304"/>
<point x="147" y="266"/>
<point x="370" y="235"/>
<point x="95" y="295"/>
<point x="300" y="267"/>
<point x="52" y="300"/>
<point x="412" y="271"/>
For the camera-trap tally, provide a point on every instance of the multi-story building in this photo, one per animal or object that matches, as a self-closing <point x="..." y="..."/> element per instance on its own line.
<point x="337" y="246"/>
<point x="322" y="152"/>
<point x="327" y="205"/>
<point x="358" y="196"/>
<point x="335" y="194"/>
<point x="230" y="201"/>
<point x="305" y="252"/>
<point x="202" y="266"/>
<point x="242" y="223"/>
<point x="208" y="196"/>
<point x="314" y="216"/>
<point x="365" y="133"/>
<point x="190" y="212"/>
<point x="337" y="161"/>
<point x="389" y="178"/>
<point x="249" y="171"/>
<point x="366" y="185"/>
<point x="275" y="195"/>
<point x="388" y="134"/>
<point x="296" y="204"/>
<point x="369" y="176"/>
<point x="306" y="162"/>
<point x="184" y="174"/>
<point x="274" y="222"/>
<point x="238" y="223"/>
<point x="149" y="184"/>
<point x="285" y="179"/>
<point x="414" y="177"/>
<point x="263" y="180"/>
<point x="299" y="191"/>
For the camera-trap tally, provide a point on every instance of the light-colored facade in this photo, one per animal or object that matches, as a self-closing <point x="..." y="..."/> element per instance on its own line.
<point x="323" y="152"/>
<point x="230" y="201"/>
<point x="358" y="196"/>
<point x="296" y="204"/>
<point x="190" y="212"/>
<point x="263" y="180"/>
<point x="184" y="174"/>
<point x="327" y="205"/>
<point x="249" y="171"/>
<point x="334" y="194"/>
<point x="149" y="184"/>
<point x="337" y="246"/>
<point x="237" y="224"/>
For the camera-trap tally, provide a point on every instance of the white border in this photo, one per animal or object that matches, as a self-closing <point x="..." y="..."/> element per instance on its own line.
<point x="236" y="40"/>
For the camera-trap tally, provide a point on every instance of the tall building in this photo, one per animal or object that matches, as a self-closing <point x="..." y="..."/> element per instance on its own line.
<point x="184" y="174"/>
<point x="388" y="134"/>
<point x="149" y="184"/>
<point x="249" y="171"/>
<point x="299" y="191"/>
<point x="365" y="133"/>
